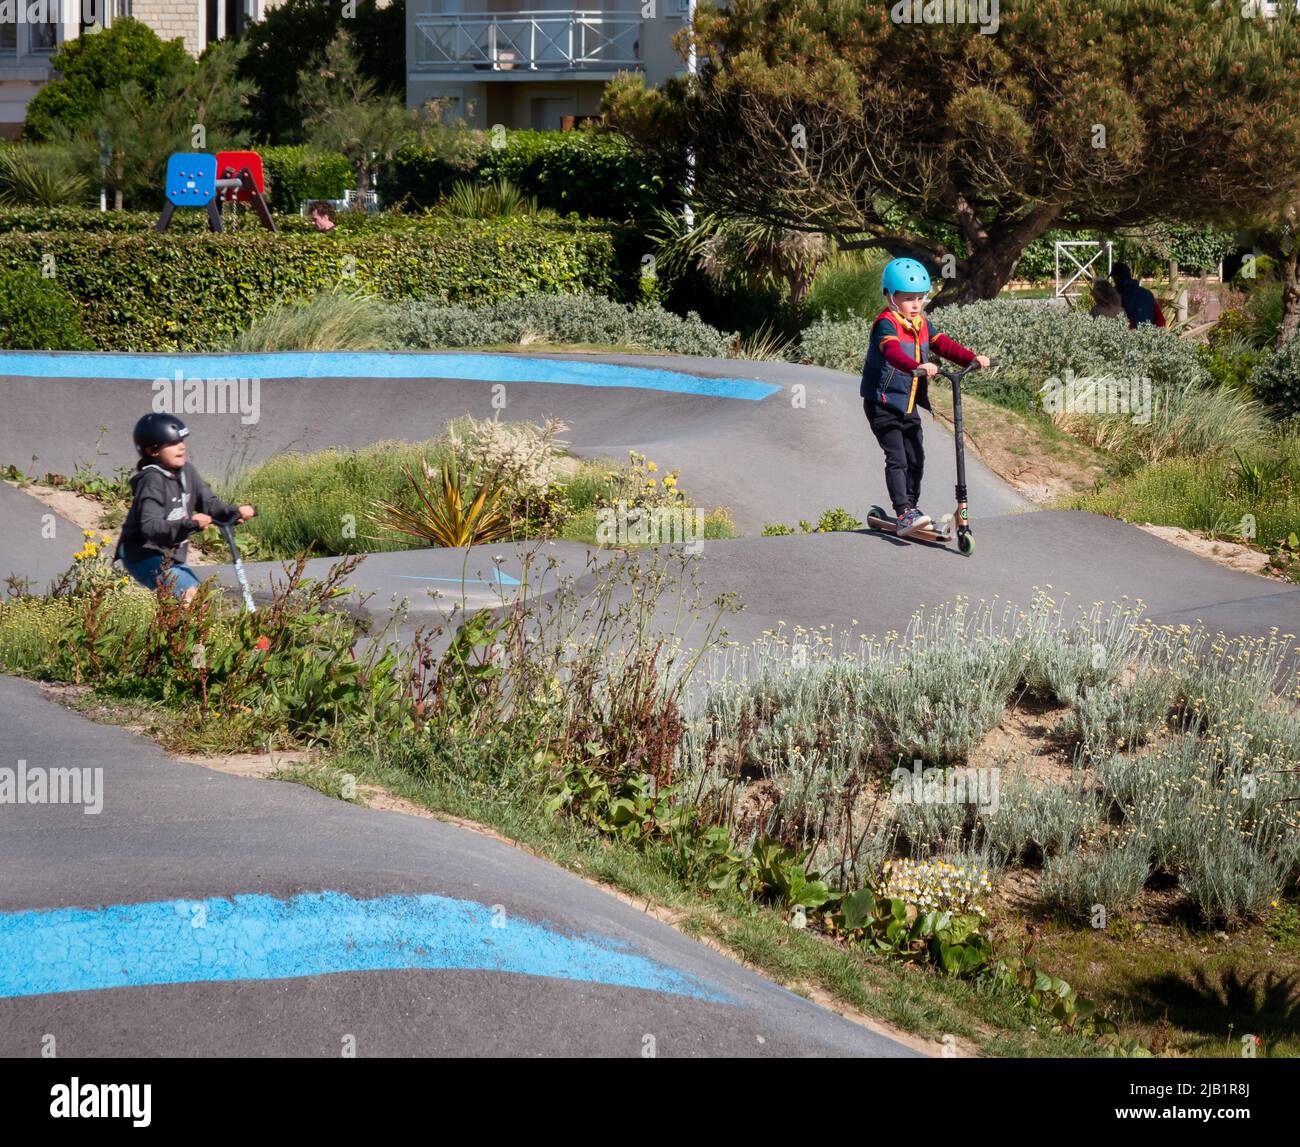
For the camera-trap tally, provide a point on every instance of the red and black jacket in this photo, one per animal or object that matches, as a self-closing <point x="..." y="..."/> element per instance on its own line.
<point x="890" y="375"/>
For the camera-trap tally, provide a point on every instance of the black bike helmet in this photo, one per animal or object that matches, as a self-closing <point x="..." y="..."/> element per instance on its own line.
<point x="158" y="430"/>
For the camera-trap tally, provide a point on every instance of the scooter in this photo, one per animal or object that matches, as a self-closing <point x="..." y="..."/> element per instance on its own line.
<point x="878" y="519"/>
<point x="227" y="529"/>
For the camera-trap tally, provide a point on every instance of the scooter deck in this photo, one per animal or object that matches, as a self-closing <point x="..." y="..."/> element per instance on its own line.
<point x="926" y="533"/>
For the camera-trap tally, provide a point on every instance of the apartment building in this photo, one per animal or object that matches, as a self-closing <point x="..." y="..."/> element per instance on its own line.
<point x="534" y="63"/>
<point x="32" y="30"/>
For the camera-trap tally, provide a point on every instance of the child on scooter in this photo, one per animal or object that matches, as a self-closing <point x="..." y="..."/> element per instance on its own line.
<point x="170" y="502"/>
<point x="895" y="380"/>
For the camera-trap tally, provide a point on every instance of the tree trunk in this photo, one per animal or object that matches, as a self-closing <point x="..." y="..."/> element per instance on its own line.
<point x="1290" y="296"/>
<point x="989" y="268"/>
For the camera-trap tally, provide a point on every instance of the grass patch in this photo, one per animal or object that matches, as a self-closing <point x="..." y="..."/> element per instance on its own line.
<point x="321" y="504"/>
<point x="328" y="321"/>
<point x="1252" y="497"/>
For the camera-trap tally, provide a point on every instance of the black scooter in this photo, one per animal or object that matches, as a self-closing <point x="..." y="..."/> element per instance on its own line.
<point x="877" y="518"/>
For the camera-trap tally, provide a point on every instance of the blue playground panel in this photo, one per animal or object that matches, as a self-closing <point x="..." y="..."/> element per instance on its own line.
<point x="191" y="178"/>
<point x="374" y="364"/>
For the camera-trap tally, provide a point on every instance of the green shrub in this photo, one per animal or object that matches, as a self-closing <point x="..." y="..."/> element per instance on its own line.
<point x="556" y="319"/>
<point x="847" y="285"/>
<point x="596" y="174"/>
<point x="497" y="200"/>
<point x="38" y="314"/>
<point x="1253" y="316"/>
<point x="1277" y="382"/>
<point x="164" y="292"/>
<point x="1231" y="362"/>
<point x="88" y="67"/>
<point x="39" y="175"/>
<point x="299" y="173"/>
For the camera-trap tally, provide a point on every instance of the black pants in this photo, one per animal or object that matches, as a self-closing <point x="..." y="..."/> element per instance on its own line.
<point x="899" y="436"/>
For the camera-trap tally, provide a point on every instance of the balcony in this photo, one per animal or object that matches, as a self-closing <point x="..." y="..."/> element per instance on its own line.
<point x="523" y="44"/>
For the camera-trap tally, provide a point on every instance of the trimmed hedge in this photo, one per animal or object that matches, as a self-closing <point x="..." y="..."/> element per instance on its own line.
<point x="37" y="314"/>
<point x="169" y="292"/>
<point x="293" y="174"/>
<point x="84" y="220"/>
<point x="596" y="174"/>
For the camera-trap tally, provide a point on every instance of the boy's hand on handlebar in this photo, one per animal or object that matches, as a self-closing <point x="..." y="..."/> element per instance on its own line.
<point x="983" y="360"/>
<point x="930" y="369"/>
<point x="246" y="512"/>
<point x="203" y="521"/>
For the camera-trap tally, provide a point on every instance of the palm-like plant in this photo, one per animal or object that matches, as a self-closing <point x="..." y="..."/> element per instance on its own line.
<point x="452" y="509"/>
<point x="35" y="178"/>
<point x="750" y="250"/>
<point x="468" y="200"/>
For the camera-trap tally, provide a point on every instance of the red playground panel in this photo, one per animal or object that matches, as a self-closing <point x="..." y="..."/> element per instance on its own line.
<point x="229" y="165"/>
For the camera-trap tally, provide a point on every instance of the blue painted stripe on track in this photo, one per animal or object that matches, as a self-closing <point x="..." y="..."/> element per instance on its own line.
<point x="375" y="364"/>
<point x="257" y="937"/>
<point x="500" y="580"/>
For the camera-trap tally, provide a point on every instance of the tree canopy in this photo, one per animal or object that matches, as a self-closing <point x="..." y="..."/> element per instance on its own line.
<point x="99" y="62"/>
<point x="294" y="37"/>
<point x="826" y="115"/>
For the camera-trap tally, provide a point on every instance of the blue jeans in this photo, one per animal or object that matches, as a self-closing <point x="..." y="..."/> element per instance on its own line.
<point x="149" y="573"/>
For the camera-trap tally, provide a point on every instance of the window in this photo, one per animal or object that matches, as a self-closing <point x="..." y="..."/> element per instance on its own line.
<point x="25" y="37"/>
<point x="225" y="19"/>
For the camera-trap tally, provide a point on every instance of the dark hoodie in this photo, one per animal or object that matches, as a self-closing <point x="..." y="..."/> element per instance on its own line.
<point x="160" y="519"/>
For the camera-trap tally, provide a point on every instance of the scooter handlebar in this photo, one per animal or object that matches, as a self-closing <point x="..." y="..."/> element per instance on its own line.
<point x="959" y="375"/>
<point x="233" y="520"/>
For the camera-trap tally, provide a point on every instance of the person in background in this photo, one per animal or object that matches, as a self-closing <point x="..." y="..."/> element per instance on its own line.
<point x="1140" y="305"/>
<point x="1106" y="301"/>
<point x="321" y="214"/>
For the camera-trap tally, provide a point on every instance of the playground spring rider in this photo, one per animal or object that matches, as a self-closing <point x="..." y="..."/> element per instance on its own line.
<point x="196" y="179"/>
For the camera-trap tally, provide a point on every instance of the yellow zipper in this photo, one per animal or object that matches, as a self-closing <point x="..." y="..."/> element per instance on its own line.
<point x="911" y="398"/>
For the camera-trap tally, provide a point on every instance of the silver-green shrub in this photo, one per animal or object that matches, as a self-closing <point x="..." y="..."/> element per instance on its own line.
<point x="1112" y="876"/>
<point x="555" y="318"/>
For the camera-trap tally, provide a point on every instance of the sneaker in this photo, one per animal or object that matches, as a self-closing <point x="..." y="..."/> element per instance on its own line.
<point x="911" y="520"/>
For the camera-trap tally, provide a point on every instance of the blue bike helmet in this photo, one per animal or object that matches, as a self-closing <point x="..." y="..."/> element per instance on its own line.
<point x="904" y="275"/>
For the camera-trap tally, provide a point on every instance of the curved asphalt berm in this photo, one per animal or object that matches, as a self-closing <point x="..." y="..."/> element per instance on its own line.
<point x="174" y="838"/>
<point x="186" y="838"/>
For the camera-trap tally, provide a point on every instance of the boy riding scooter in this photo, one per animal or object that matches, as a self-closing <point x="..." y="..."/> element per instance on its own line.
<point x="895" y="381"/>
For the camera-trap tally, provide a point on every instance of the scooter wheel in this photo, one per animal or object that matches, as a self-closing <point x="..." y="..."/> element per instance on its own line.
<point x="966" y="544"/>
<point x="876" y="512"/>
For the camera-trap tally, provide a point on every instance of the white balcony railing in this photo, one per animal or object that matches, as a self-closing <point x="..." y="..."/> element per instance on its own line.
<point x="549" y="41"/>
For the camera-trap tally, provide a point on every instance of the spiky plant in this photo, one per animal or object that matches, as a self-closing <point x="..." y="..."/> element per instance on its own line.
<point x="452" y="509"/>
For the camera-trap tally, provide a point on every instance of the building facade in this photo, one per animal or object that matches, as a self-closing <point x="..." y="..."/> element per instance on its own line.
<point x="534" y="63"/>
<point x="32" y="30"/>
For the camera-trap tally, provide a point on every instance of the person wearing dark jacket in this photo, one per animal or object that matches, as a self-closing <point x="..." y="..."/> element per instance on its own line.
<point x="1140" y="305"/>
<point x="170" y="501"/>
